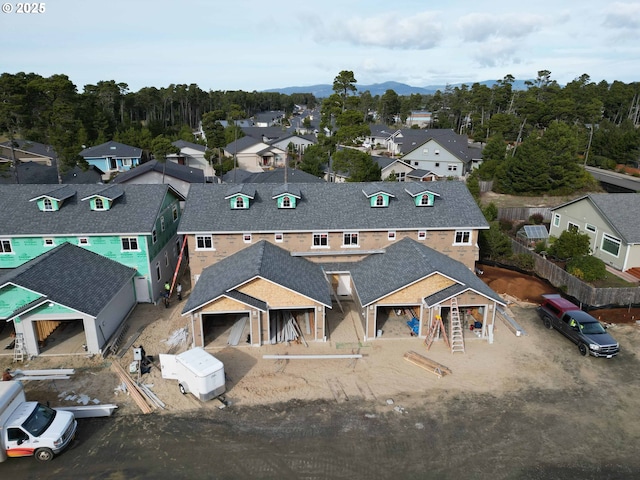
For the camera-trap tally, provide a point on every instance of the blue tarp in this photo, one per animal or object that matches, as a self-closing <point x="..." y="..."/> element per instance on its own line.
<point x="414" y="325"/>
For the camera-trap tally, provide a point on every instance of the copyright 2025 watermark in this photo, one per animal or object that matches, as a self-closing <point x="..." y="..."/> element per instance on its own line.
<point x="24" y="8"/>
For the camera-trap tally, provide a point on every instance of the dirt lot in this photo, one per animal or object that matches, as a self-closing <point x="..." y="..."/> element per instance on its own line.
<point x="382" y="372"/>
<point x="524" y="407"/>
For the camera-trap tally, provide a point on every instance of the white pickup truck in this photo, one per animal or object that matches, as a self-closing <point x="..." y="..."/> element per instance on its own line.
<point x="31" y="428"/>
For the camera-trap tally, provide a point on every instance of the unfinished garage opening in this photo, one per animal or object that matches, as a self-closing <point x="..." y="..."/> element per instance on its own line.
<point x="7" y="337"/>
<point x="471" y="318"/>
<point x="296" y="326"/>
<point x="397" y="321"/>
<point x="60" y="337"/>
<point x="221" y="329"/>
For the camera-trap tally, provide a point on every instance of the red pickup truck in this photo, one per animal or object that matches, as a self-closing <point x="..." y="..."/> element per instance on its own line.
<point x="578" y="326"/>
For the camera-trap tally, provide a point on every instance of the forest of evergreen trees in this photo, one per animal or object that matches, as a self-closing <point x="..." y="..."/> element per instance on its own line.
<point x="549" y="127"/>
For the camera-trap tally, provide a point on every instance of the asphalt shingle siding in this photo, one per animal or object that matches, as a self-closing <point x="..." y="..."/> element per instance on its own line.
<point x="74" y="277"/>
<point x="331" y="207"/>
<point x="133" y="212"/>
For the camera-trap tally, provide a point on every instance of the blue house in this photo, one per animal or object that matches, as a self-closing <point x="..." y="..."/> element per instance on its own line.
<point x="112" y="157"/>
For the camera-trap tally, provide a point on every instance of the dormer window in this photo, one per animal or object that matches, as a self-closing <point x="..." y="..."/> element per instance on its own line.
<point x="47" y="205"/>
<point x="99" y="204"/>
<point x="239" y="202"/>
<point x="286" y="202"/>
<point x="426" y="200"/>
<point x="379" y="201"/>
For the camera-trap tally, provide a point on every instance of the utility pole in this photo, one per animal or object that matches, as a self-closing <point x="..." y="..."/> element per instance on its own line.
<point x="586" y="155"/>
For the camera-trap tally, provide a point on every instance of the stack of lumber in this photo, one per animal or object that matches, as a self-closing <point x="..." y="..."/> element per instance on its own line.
<point x="423" y="362"/>
<point x="132" y="388"/>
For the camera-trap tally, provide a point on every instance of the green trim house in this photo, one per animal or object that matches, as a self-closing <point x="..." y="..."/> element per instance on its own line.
<point x="66" y="288"/>
<point x="134" y="225"/>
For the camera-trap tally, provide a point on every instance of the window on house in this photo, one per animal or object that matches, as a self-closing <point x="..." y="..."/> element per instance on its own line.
<point x="162" y="224"/>
<point x="380" y="201"/>
<point x="83" y="241"/>
<point x="391" y="235"/>
<point x="48" y="242"/>
<point x="437" y="164"/>
<point x="556" y="220"/>
<point x="422" y="235"/>
<point x="5" y="246"/>
<point x="436" y="151"/>
<point x="178" y="245"/>
<point x="463" y="237"/>
<point x="246" y="238"/>
<point x="286" y="202"/>
<point x="572" y="227"/>
<point x="239" y="202"/>
<point x="166" y="258"/>
<point x="452" y="167"/>
<point x="129" y="243"/>
<point x="320" y="240"/>
<point x="590" y="228"/>
<point x="278" y="237"/>
<point x="425" y="201"/>
<point x="610" y="245"/>
<point x="47" y="205"/>
<point x="174" y="213"/>
<point x="415" y="163"/>
<point x="99" y="204"/>
<point x="425" y="150"/>
<point x="350" y="239"/>
<point x="204" y="242"/>
<point x="126" y="162"/>
<point x="154" y="235"/>
<point x="400" y="176"/>
<point x="158" y="272"/>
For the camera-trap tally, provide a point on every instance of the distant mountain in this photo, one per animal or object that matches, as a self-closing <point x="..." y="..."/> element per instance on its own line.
<point x="402" y="89"/>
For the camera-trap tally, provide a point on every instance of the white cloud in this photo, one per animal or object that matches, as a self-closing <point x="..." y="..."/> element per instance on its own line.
<point x="418" y="31"/>
<point x="623" y="16"/>
<point x="480" y="27"/>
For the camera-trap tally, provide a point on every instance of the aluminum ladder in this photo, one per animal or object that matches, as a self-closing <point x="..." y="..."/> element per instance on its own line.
<point x="457" y="335"/>
<point x="19" y="350"/>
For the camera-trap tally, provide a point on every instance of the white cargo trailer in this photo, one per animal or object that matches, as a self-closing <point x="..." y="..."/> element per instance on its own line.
<point x="197" y="371"/>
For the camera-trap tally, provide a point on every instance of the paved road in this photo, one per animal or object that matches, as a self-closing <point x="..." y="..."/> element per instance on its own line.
<point x="523" y="436"/>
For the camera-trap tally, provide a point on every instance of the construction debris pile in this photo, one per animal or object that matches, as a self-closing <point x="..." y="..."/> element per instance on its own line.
<point x="286" y="329"/>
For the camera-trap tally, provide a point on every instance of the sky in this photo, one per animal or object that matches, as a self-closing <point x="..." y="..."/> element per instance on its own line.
<point x="265" y="44"/>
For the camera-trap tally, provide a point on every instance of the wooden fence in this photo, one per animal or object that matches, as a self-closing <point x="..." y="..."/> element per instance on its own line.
<point x="515" y="214"/>
<point x="581" y="291"/>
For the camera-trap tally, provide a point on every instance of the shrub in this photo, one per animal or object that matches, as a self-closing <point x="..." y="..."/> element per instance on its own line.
<point x="524" y="261"/>
<point x="491" y="212"/>
<point x="540" y="247"/>
<point x="505" y="225"/>
<point x="570" y="244"/>
<point x="587" y="268"/>
<point x="536" y="218"/>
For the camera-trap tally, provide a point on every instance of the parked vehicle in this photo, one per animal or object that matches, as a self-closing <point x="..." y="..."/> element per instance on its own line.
<point x="578" y="326"/>
<point x="31" y="428"/>
<point x="197" y="371"/>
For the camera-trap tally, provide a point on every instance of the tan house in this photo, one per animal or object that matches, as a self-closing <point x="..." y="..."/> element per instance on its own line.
<point x="384" y="246"/>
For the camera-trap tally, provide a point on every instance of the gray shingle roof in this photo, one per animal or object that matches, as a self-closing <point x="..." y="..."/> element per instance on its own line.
<point x="171" y="169"/>
<point x="331" y="207"/>
<point x="112" y="149"/>
<point x="31" y="173"/>
<point x="406" y="262"/>
<point x="184" y="144"/>
<point x="457" y="145"/>
<point x="29" y="146"/>
<point x="619" y="209"/>
<point x="264" y="260"/>
<point x="270" y="176"/>
<point x="74" y="277"/>
<point x="241" y="144"/>
<point x="622" y="210"/>
<point x="134" y="212"/>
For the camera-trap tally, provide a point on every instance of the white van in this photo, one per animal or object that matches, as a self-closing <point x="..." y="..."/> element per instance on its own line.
<point x="31" y="428"/>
